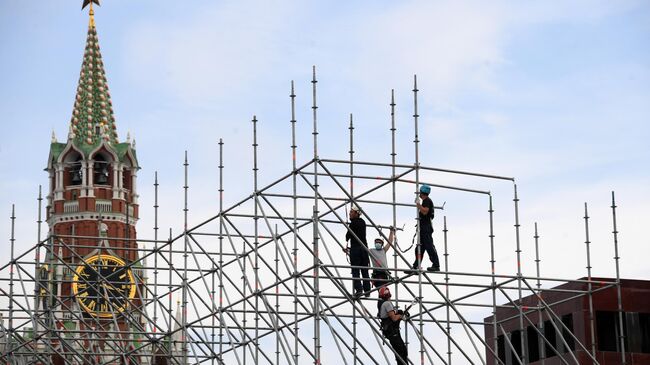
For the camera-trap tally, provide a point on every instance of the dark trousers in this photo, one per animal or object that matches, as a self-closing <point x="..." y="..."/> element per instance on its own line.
<point x="379" y="277"/>
<point x="426" y="242"/>
<point x="400" y="349"/>
<point x="359" y="257"/>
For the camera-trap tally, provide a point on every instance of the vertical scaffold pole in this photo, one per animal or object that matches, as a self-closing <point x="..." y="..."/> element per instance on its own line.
<point x="315" y="228"/>
<point x="169" y="296"/>
<point x="184" y="348"/>
<point x="256" y="242"/>
<point x="221" y="251"/>
<point x="393" y="156"/>
<point x="213" y="295"/>
<point x="276" y="240"/>
<point x="540" y="321"/>
<point x="495" y="328"/>
<point x="589" y="287"/>
<point x="295" y="223"/>
<point x="354" y="308"/>
<point x="155" y="253"/>
<point x="50" y="323"/>
<point x="244" y="326"/>
<point x="213" y="300"/>
<point x="618" y="283"/>
<point x="447" y="303"/>
<point x="12" y="242"/>
<point x="522" y="338"/>
<point x="38" y="277"/>
<point x="420" y="254"/>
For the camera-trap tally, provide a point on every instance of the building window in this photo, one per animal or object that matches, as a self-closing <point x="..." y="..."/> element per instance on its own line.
<point x="609" y="330"/>
<point x="567" y="320"/>
<point x="501" y="345"/>
<point x="549" y="334"/>
<point x="638" y="332"/>
<point x="533" y="344"/>
<point x="515" y="339"/>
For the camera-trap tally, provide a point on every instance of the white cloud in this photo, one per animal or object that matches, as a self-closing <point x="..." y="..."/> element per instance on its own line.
<point x="213" y="52"/>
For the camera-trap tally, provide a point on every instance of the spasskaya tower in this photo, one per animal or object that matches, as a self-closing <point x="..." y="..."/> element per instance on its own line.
<point x="98" y="282"/>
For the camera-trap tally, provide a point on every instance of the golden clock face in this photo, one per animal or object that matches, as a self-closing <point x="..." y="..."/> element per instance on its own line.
<point x="103" y="285"/>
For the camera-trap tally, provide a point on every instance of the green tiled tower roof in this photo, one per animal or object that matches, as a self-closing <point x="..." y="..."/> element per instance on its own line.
<point x="92" y="117"/>
<point x="93" y="124"/>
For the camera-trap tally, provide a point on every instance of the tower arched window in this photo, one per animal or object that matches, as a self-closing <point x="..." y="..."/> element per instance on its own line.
<point x="100" y="171"/>
<point x="126" y="176"/>
<point x="76" y="177"/>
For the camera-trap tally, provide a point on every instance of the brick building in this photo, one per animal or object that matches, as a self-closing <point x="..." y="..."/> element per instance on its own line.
<point x="571" y="306"/>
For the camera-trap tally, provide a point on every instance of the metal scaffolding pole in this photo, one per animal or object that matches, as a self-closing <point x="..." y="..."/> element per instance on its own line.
<point x="352" y="202"/>
<point x="393" y="155"/>
<point x="256" y="241"/>
<point x="592" y="334"/>
<point x="540" y="321"/>
<point x="619" y="297"/>
<point x="184" y="348"/>
<point x="446" y="254"/>
<point x="316" y="262"/>
<point x="419" y="253"/>
<point x="154" y="325"/>
<point x="12" y="243"/>
<point x="38" y="284"/>
<point x="493" y="284"/>
<point x="295" y="221"/>
<point x="522" y="338"/>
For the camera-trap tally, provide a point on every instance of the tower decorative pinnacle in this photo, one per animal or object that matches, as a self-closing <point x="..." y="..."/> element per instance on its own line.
<point x="92" y="117"/>
<point x="91" y="13"/>
<point x="91" y="18"/>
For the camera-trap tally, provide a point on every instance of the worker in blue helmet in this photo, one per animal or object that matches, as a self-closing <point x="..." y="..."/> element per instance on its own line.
<point x="425" y="238"/>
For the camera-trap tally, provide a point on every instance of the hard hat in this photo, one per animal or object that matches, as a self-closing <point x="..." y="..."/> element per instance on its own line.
<point x="355" y="208"/>
<point x="384" y="292"/>
<point x="425" y="189"/>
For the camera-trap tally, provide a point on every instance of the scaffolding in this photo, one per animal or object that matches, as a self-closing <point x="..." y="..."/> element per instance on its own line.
<point x="265" y="280"/>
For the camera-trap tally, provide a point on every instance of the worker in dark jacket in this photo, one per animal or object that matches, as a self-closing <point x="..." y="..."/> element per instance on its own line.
<point x="358" y="252"/>
<point x="425" y="239"/>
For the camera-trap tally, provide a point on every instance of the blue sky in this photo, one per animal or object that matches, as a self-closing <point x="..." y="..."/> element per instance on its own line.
<point x="554" y="94"/>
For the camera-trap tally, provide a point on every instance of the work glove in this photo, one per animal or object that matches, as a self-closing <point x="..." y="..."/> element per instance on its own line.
<point x="417" y="200"/>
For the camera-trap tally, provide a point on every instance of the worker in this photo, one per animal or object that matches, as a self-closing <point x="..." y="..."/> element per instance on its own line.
<point x="390" y="323"/>
<point x="358" y="252"/>
<point x="425" y="239"/>
<point x="378" y="259"/>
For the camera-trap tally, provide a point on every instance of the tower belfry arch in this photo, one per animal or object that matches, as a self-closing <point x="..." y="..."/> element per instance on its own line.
<point x="264" y="280"/>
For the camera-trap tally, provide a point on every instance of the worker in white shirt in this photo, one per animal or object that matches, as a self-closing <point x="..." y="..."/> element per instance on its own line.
<point x="378" y="259"/>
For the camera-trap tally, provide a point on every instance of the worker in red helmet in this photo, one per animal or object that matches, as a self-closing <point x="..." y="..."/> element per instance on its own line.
<point x="390" y="321"/>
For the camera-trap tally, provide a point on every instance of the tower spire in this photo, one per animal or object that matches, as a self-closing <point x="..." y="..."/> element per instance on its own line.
<point x="92" y="117"/>
<point x="91" y="16"/>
